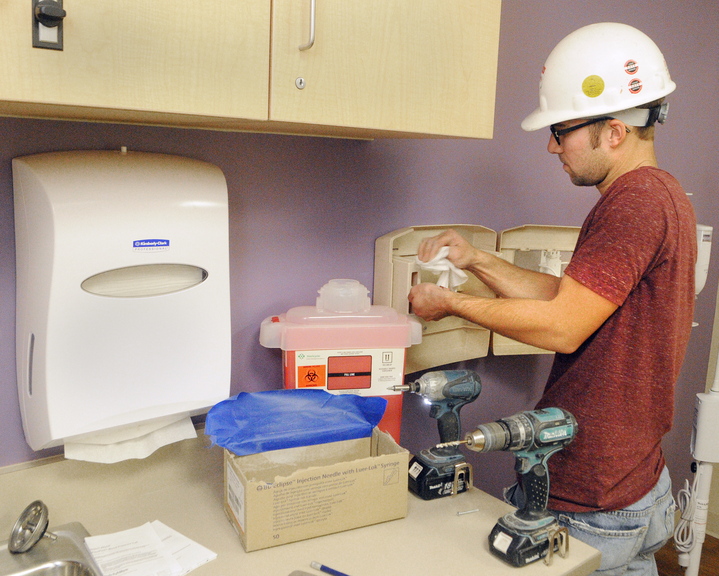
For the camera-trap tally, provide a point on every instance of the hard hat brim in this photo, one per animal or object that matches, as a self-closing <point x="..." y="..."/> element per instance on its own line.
<point x="539" y="118"/>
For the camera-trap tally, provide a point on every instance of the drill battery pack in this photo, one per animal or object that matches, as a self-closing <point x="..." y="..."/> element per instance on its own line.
<point x="519" y="544"/>
<point x="515" y="548"/>
<point x="433" y="477"/>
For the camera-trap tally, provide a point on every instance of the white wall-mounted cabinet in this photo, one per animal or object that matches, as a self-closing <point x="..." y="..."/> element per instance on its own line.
<point x="546" y="249"/>
<point x="396" y="270"/>
<point x="377" y="67"/>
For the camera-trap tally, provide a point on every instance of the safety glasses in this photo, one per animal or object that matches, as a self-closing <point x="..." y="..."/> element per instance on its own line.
<point x="561" y="132"/>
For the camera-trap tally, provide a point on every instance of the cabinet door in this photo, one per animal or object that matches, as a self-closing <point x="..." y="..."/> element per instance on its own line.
<point x="423" y="66"/>
<point x="208" y="58"/>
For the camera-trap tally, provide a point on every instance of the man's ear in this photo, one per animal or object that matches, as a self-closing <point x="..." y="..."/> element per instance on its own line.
<point x="618" y="131"/>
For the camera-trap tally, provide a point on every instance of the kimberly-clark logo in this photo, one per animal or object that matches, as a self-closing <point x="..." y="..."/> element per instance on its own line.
<point x="150" y="245"/>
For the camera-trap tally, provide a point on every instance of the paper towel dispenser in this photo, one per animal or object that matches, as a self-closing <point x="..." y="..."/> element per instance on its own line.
<point x="123" y="306"/>
<point x="450" y="339"/>
<point x="144" y="280"/>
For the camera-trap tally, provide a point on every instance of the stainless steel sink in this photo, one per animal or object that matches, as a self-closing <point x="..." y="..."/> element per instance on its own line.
<point x="66" y="555"/>
<point x="61" y="568"/>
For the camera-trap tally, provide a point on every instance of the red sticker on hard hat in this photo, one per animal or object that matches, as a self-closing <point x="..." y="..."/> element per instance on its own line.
<point x="635" y="86"/>
<point x="631" y="67"/>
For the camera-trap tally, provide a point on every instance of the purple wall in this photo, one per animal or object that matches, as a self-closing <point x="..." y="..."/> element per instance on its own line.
<point x="305" y="210"/>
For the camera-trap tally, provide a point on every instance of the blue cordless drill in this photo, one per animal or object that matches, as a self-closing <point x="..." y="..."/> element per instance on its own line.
<point x="527" y="534"/>
<point x="443" y="470"/>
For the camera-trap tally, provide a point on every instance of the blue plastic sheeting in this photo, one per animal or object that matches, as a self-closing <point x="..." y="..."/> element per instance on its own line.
<point x="260" y="421"/>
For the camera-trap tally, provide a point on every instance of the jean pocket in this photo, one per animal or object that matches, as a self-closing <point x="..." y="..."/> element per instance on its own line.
<point x="618" y="547"/>
<point x="661" y="526"/>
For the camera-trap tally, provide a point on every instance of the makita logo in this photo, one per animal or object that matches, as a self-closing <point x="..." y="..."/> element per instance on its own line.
<point x="151" y="244"/>
<point x="554" y="434"/>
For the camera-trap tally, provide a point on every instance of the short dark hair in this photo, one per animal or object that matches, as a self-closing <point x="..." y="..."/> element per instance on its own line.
<point x="647" y="132"/>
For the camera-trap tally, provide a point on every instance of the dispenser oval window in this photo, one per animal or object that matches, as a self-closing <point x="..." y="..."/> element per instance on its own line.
<point x="145" y="280"/>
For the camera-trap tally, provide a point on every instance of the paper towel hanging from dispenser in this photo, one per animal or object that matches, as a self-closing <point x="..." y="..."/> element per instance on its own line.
<point x="123" y="304"/>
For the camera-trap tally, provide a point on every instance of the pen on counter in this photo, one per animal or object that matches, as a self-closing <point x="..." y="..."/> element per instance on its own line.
<point x="327" y="569"/>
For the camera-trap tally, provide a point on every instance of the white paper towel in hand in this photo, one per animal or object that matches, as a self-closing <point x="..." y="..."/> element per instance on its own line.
<point x="131" y="441"/>
<point x="449" y="275"/>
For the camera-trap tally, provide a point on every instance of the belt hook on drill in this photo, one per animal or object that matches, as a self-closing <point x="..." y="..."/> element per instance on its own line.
<point x="558" y="537"/>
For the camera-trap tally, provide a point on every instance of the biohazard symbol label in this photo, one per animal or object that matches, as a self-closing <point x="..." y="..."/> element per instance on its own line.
<point x="593" y="86"/>
<point x="311" y="376"/>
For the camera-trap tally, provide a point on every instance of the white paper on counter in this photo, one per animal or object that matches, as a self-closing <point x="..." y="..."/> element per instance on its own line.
<point x="152" y="549"/>
<point x="187" y="553"/>
<point x="134" y="552"/>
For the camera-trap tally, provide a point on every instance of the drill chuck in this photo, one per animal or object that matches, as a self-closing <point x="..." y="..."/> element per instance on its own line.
<point x="488" y="437"/>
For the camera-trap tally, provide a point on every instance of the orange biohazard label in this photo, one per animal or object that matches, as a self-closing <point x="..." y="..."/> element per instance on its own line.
<point x="311" y="376"/>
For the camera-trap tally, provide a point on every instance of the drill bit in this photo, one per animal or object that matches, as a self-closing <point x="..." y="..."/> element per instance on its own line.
<point x="449" y="444"/>
<point x="399" y="388"/>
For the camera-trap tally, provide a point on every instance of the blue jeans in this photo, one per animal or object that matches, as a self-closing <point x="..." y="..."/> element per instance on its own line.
<point x="627" y="538"/>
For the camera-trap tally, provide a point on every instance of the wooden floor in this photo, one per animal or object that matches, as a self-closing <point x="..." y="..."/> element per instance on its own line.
<point x="667" y="564"/>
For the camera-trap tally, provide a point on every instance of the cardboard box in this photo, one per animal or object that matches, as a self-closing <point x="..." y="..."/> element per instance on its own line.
<point x="283" y="496"/>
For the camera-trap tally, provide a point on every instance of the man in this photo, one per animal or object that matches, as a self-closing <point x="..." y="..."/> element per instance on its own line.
<point x="620" y="317"/>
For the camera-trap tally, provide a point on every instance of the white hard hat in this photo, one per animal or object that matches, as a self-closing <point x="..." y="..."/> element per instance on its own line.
<point x="602" y="69"/>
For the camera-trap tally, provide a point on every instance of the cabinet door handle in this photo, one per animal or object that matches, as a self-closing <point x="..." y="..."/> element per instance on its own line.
<point x="313" y="12"/>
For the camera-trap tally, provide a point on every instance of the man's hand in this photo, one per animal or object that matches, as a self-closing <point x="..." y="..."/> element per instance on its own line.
<point x="429" y="301"/>
<point x="461" y="253"/>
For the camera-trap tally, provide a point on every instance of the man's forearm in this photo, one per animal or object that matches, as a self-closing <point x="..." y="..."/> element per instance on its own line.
<point x="530" y="321"/>
<point x="510" y="281"/>
<point x="560" y="324"/>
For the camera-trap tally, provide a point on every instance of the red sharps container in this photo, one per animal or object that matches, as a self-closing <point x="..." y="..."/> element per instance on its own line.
<point x="345" y="345"/>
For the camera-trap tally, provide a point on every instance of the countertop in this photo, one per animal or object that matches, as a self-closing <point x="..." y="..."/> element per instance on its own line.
<point x="182" y="486"/>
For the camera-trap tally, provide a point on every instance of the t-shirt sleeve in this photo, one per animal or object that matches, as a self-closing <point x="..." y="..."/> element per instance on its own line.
<point x="624" y="239"/>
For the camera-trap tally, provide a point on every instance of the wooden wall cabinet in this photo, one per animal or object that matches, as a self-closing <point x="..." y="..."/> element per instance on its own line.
<point x="424" y="66"/>
<point x="158" y="62"/>
<point x="378" y="68"/>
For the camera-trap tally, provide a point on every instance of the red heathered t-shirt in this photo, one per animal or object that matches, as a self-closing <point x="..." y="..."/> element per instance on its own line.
<point x="637" y="248"/>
